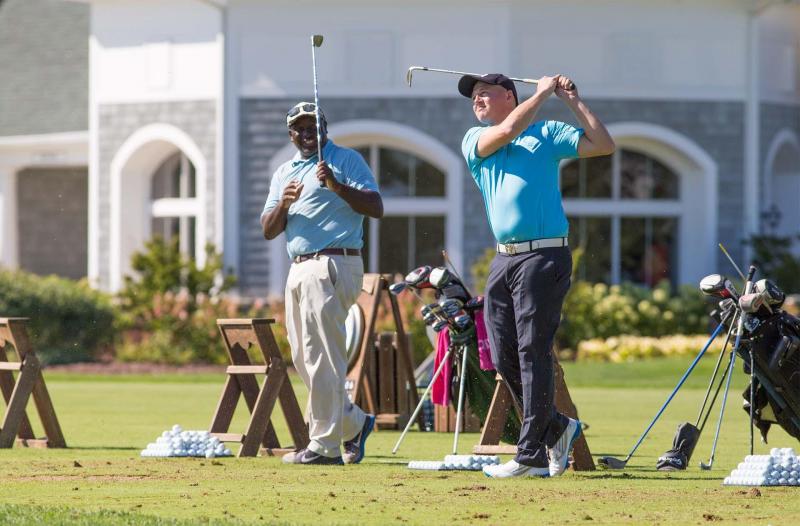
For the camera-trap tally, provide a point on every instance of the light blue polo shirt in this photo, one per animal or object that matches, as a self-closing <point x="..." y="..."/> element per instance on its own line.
<point x="519" y="182"/>
<point x="319" y="218"/>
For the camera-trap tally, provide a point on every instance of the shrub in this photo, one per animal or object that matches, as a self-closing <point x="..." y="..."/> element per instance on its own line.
<point x="598" y="310"/>
<point x="775" y="260"/>
<point x="172" y="305"/>
<point x="629" y="348"/>
<point x="69" y="321"/>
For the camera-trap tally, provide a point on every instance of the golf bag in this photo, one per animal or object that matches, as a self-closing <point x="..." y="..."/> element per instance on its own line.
<point x="775" y="343"/>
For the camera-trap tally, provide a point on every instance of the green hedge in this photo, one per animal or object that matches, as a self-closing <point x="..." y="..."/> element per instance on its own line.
<point x="69" y="321"/>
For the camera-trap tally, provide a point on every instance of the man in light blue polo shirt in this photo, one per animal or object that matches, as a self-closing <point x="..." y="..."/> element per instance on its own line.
<point x="514" y="161"/>
<point x="321" y="206"/>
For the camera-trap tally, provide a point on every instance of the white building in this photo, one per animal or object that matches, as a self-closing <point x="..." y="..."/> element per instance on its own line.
<point x="187" y="98"/>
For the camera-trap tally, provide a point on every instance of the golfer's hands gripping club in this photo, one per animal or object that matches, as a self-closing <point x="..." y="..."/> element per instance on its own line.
<point x="325" y="176"/>
<point x="559" y="84"/>
<point x="565" y="88"/>
<point x="291" y="193"/>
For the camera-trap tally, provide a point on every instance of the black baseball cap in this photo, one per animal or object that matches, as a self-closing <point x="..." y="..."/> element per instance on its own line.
<point x="467" y="83"/>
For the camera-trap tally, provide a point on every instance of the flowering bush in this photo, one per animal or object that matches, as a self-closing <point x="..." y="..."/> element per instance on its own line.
<point x="628" y="348"/>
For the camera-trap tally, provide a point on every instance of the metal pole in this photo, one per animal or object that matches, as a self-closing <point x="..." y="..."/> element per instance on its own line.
<point x="460" y="409"/>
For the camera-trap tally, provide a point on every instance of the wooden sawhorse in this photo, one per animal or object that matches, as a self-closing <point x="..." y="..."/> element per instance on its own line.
<point x="238" y="335"/>
<point x="502" y="403"/>
<point x="14" y="332"/>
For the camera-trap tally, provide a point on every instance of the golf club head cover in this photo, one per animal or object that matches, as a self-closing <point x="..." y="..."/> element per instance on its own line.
<point x="683" y="444"/>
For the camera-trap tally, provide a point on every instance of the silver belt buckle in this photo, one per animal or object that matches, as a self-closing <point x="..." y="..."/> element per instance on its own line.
<point x="511" y="248"/>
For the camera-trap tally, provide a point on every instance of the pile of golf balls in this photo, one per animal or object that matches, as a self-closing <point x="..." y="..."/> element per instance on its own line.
<point x="456" y="462"/>
<point x="780" y="468"/>
<point x="176" y="442"/>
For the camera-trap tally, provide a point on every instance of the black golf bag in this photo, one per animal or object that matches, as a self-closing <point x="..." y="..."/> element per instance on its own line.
<point x="775" y="343"/>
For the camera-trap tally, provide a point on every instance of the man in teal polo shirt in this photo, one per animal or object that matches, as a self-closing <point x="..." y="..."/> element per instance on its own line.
<point x="514" y="161"/>
<point x="321" y="207"/>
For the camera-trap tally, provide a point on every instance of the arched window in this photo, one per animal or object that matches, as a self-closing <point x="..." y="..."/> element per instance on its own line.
<point x="173" y="211"/>
<point x="406" y="236"/>
<point x="624" y="212"/>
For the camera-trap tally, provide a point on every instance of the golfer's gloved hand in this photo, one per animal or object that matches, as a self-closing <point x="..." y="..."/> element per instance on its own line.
<point x="325" y="176"/>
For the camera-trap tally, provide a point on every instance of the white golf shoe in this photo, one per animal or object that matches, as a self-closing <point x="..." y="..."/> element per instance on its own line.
<point x="559" y="453"/>
<point x="514" y="469"/>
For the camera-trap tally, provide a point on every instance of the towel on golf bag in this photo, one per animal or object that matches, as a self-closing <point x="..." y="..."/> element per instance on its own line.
<point x="683" y="444"/>
<point x="484" y="352"/>
<point x="440" y="392"/>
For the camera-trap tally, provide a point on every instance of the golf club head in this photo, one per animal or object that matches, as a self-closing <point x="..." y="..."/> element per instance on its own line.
<point x="451" y="306"/>
<point x="316" y="40"/>
<point x="474" y="303"/>
<point x="410" y="74"/>
<point x="462" y="321"/>
<point x="705" y="467"/>
<point x="750" y="303"/>
<point x="718" y="286"/>
<point x="612" y="463"/>
<point x="439" y="325"/>
<point x="439" y="277"/>
<point x="429" y="318"/>
<point x="772" y="294"/>
<point x="397" y="288"/>
<point x="419" y="277"/>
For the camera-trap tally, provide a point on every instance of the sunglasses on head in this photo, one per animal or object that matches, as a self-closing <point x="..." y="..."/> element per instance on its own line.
<point x="307" y="108"/>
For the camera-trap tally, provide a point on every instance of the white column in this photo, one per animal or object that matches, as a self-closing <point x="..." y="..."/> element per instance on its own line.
<point x="8" y="216"/>
<point x="751" y="140"/>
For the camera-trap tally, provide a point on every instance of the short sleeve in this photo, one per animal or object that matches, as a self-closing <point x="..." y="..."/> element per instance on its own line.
<point x="469" y="146"/>
<point x="358" y="174"/>
<point x="564" y="139"/>
<point x="274" y="196"/>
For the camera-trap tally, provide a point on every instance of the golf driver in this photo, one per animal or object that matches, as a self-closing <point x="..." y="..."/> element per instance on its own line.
<point x="440" y="277"/>
<point x="615" y="463"/>
<point x="316" y="41"/>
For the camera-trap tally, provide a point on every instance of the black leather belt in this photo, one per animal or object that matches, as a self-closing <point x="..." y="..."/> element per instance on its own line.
<point x="328" y="252"/>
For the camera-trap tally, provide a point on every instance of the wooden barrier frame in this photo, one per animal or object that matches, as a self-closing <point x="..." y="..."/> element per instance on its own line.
<point x="238" y="335"/>
<point x="502" y="402"/>
<point x="17" y="393"/>
<point x="369" y="301"/>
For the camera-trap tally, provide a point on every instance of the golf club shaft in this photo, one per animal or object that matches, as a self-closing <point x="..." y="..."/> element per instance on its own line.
<point x="716" y="370"/>
<point x="316" y="102"/>
<point x="714" y="398"/>
<point x="421" y="401"/>
<point x="724" y="251"/>
<point x="724" y="402"/>
<point x="752" y="395"/>
<point x="460" y="73"/>
<point x="460" y="410"/>
<point x="675" y="391"/>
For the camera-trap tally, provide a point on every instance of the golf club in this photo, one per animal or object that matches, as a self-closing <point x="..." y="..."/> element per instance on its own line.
<point x="748" y="286"/>
<point x="316" y="41"/>
<point x="440" y="277"/>
<point x="412" y="69"/>
<point x="460" y="408"/>
<point x="615" y="463"/>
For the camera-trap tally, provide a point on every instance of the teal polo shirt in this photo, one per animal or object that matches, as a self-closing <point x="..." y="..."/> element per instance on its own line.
<point x="519" y="182"/>
<point x="319" y="218"/>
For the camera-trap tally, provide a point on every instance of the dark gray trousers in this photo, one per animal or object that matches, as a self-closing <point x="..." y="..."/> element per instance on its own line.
<point x="523" y="299"/>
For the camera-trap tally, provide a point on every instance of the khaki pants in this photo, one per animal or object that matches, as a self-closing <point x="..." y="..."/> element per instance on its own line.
<point x="319" y="292"/>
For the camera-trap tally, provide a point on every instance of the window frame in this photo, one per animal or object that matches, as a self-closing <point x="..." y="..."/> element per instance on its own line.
<point x="616" y="208"/>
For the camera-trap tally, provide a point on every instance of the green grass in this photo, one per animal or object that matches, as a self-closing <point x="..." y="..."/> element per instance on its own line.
<point x="107" y="420"/>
